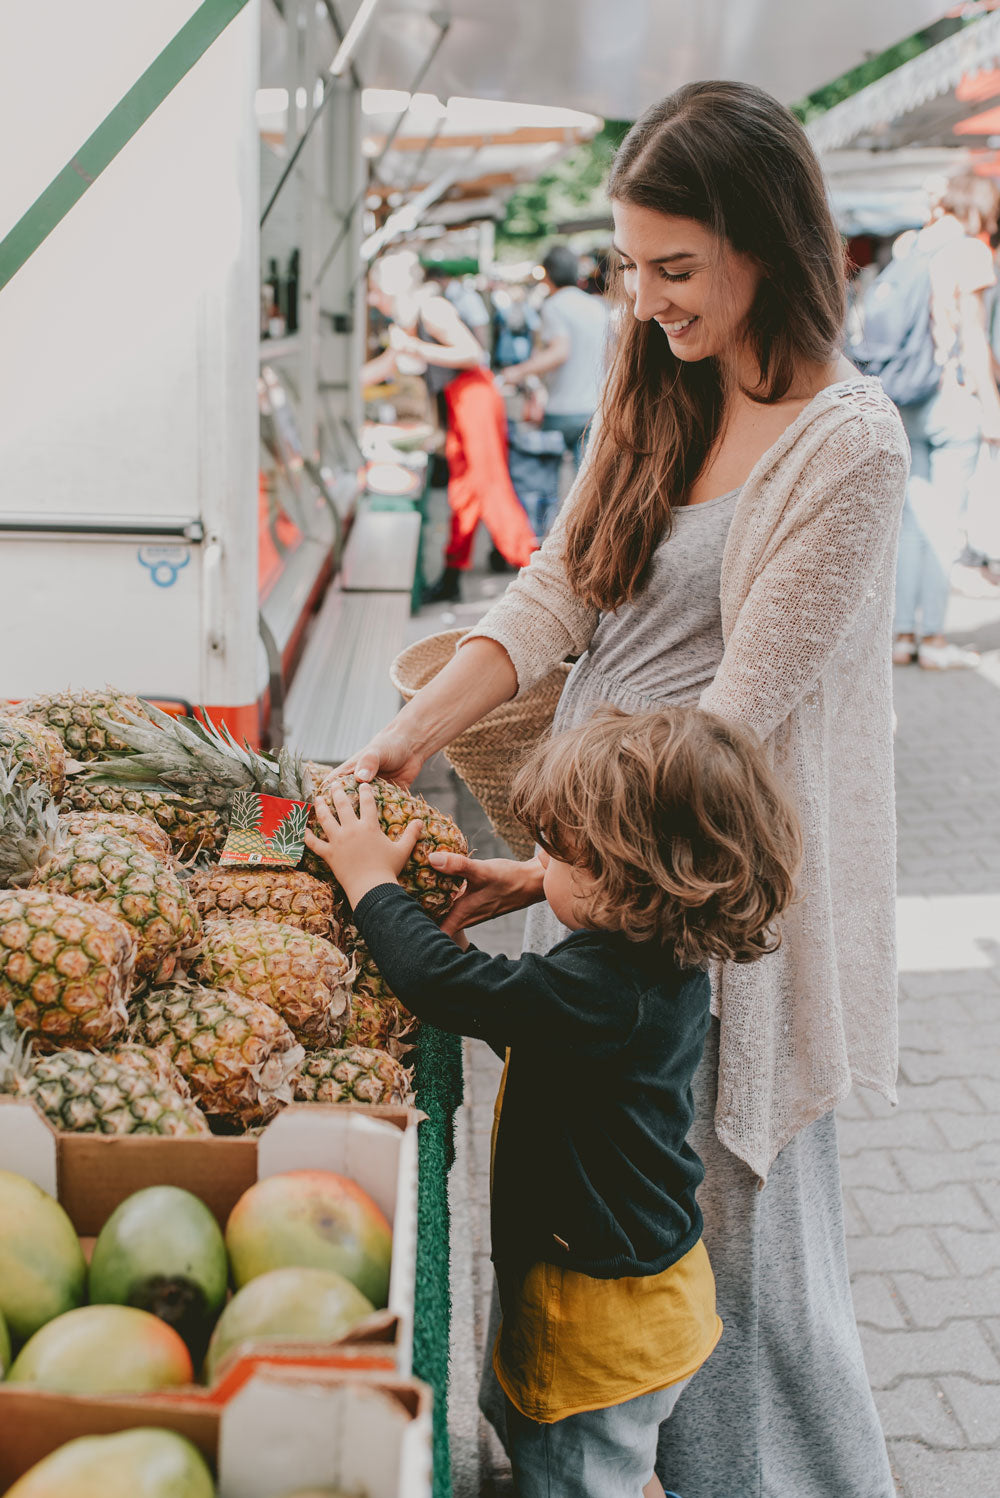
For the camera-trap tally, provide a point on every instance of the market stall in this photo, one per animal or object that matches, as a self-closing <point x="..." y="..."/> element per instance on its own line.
<point x="195" y="509"/>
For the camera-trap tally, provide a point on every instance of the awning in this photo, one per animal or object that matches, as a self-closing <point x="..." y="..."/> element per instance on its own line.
<point x="948" y="96"/>
<point x="614" y="57"/>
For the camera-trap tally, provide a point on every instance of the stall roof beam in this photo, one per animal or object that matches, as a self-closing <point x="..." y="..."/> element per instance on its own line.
<point x="114" y="132"/>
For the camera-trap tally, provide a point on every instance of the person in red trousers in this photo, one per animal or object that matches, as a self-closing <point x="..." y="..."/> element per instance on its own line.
<point x="429" y="335"/>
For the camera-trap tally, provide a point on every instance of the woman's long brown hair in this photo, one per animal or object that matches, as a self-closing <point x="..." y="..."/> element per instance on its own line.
<point x="732" y="158"/>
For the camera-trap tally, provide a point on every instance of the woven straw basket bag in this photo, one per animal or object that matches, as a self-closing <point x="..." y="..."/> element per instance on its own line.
<point x="486" y="755"/>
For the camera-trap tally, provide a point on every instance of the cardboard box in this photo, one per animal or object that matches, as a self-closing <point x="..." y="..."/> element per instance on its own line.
<point x="365" y="1433"/>
<point x="91" y="1174"/>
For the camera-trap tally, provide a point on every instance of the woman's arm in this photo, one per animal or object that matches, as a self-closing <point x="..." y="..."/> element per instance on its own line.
<point x="476" y="679"/>
<point x="537" y="623"/>
<point x="457" y="346"/>
<point x="827" y="552"/>
<point x="382" y="367"/>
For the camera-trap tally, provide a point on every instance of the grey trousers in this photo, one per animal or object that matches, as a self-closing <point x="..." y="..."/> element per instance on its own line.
<point x="782" y="1408"/>
<point x="600" y="1454"/>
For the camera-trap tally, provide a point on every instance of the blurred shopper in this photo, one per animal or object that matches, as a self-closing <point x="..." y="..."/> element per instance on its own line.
<point x="731" y="542"/>
<point x="570" y="355"/>
<point x="466" y="300"/>
<point x="982" y="551"/>
<point x="938" y="278"/>
<point x="515" y="322"/>
<point x="429" y="333"/>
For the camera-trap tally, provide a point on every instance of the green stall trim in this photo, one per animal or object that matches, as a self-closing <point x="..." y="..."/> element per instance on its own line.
<point x="439" y="1083"/>
<point x="114" y="132"/>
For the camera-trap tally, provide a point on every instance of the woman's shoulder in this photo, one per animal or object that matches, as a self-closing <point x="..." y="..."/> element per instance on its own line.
<point x="851" y="418"/>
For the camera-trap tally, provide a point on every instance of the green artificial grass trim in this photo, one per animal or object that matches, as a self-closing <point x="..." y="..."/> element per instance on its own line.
<point x="438" y="1083"/>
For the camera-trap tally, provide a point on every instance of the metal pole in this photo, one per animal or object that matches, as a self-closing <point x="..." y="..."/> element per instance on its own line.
<point x="421" y="159"/>
<point x="308" y="300"/>
<point x="328" y="90"/>
<point x="443" y="23"/>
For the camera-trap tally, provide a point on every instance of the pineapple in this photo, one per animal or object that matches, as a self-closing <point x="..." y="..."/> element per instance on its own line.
<point x="238" y="1055"/>
<point x="434" y="891"/>
<point x="77" y="718"/>
<point x="193" y="830"/>
<point x="378" y="1019"/>
<point x="285" y="895"/>
<point x="303" y="977"/>
<point x="192" y="758"/>
<point x="246" y="841"/>
<point x="383" y="1025"/>
<point x="35" y="748"/>
<point x="356" y="1074"/>
<point x="65" y="968"/>
<point x="127" y="824"/>
<point x="87" y="1092"/>
<point x="105" y="870"/>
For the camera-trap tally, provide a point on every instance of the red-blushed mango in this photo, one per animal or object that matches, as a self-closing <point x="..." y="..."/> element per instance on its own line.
<point x="311" y="1219"/>
<point x="140" y="1463"/>
<point x="103" y="1350"/>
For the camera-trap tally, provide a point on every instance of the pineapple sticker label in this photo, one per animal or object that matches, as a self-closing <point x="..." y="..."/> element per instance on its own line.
<point x="265" y="831"/>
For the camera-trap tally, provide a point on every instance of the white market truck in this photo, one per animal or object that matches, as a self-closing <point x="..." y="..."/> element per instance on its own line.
<point x="144" y="540"/>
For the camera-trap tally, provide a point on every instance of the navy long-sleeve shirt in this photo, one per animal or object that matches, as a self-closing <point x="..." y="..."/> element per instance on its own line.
<point x="592" y="1170"/>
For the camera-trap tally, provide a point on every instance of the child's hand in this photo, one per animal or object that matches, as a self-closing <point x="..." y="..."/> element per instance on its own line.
<point x="355" y="848"/>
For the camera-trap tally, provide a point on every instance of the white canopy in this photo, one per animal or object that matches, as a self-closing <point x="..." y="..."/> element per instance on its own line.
<point x="614" y="57"/>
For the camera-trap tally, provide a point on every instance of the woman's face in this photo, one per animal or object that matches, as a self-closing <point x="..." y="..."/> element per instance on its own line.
<point x="683" y="277"/>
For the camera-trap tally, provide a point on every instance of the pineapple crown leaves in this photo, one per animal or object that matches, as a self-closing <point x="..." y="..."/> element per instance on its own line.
<point x="190" y="756"/>
<point x="15" y="1050"/>
<point x="29" y="824"/>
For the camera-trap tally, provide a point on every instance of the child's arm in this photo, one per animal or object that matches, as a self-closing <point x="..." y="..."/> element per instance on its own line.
<point x="497" y="999"/>
<point x="550" y="1002"/>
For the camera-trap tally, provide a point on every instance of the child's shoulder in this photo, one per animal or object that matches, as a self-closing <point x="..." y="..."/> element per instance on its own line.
<point x="637" y="966"/>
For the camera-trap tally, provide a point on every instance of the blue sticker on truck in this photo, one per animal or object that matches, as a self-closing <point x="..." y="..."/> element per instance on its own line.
<point x="164" y="562"/>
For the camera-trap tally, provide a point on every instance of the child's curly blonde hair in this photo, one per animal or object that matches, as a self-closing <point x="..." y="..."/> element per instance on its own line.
<point x="680" y="819"/>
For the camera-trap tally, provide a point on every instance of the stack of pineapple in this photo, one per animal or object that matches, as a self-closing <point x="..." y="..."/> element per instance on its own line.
<point x="144" y="995"/>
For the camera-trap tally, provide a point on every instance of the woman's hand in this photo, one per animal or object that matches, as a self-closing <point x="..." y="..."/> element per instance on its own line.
<point x="391" y="753"/>
<point x="493" y="886"/>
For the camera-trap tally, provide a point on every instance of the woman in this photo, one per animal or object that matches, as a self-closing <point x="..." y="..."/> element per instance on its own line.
<point x="428" y="331"/>
<point x="731" y="540"/>
<point x="945" y="430"/>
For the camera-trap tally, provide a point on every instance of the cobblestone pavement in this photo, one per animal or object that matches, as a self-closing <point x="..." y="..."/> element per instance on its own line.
<point x="921" y="1181"/>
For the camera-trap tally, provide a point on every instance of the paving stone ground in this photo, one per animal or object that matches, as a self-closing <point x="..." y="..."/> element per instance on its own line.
<point x="921" y="1181"/>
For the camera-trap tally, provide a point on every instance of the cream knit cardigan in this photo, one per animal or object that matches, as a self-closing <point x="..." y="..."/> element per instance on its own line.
<point x="807" y="597"/>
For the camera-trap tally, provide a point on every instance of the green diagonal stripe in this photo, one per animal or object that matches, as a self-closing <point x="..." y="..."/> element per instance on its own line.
<point x="115" y="131"/>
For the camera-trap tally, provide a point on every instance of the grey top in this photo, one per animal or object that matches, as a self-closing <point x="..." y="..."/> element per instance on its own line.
<point x="665" y="646"/>
<point x="574" y="387"/>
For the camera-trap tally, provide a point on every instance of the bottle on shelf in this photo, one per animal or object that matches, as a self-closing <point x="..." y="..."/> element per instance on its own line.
<point x="290" y="298"/>
<point x="275" y="319"/>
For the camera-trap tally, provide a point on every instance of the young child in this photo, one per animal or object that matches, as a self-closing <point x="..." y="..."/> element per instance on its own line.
<point x="666" y="843"/>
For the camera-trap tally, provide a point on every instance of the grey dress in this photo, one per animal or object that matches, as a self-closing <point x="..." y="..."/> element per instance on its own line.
<point x="782" y="1408"/>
